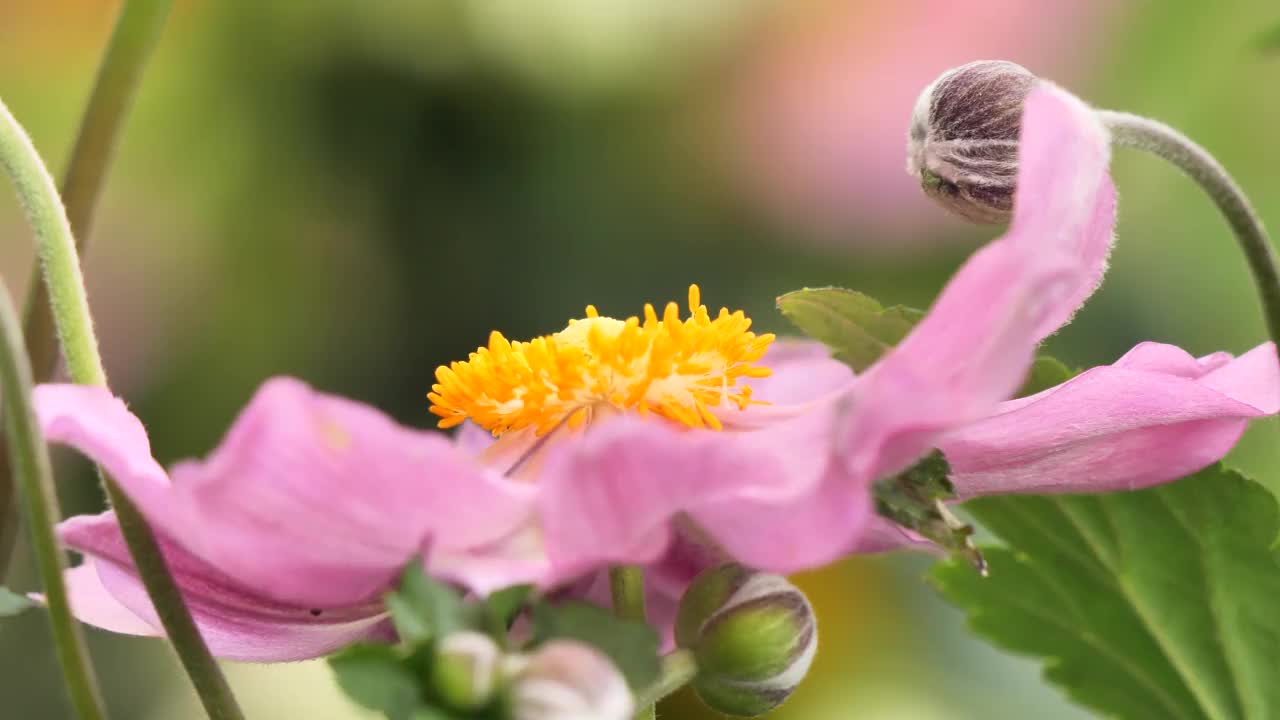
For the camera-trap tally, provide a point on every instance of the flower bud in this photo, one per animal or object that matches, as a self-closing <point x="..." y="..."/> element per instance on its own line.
<point x="963" y="143"/>
<point x="466" y="670"/>
<point x="753" y="635"/>
<point x="567" y="680"/>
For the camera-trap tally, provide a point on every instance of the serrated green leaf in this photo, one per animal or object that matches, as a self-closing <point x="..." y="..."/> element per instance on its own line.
<point x="423" y="608"/>
<point x="12" y="603"/>
<point x="631" y="645"/>
<point x="856" y="327"/>
<point x="375" y="677"/>
<point x="1159" y="603"/>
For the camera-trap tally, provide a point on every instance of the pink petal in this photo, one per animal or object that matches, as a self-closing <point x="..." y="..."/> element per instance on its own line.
<point x="312" y="499"/>
<point x="94" y="604"/>
<point x="763" y="496"/>
<point x="803" y="374"/>
<point x="1150" y="418"/>
<point x="975" y="346"/>
<point x="238" y="624"/>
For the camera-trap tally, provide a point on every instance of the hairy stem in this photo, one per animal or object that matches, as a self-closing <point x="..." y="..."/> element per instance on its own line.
<point x="60" y="263"/>
<point x="40" y="501"/>
<point x="1159" y="139"/>
<point x="136" y="33"/>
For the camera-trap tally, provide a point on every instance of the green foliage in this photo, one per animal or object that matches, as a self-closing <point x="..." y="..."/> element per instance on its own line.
<point x="376" y="677"/>
<point x="424" y="608"/>
<point x="1159" y="603"/>
<point x="856" y="327"/>
<point x="631" y="645"/>
<point x="915" y="499"/>
<point x="12" y="603"/>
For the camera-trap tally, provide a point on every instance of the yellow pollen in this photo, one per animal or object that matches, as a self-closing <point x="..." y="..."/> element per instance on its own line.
<point x="673" y="368"/>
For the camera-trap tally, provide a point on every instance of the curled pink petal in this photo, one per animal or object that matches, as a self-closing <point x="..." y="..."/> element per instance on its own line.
<point x="238" y="623"/>
<point x="310" y="499"/>
<point x="974" y="347"/>
<point x="1150" y="418"/>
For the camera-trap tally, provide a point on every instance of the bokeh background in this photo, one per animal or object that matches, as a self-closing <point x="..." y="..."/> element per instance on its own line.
<point x="355" y="192"/>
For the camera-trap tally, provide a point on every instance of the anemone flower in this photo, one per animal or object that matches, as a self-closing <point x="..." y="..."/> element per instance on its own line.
<point x="656" y="440"/>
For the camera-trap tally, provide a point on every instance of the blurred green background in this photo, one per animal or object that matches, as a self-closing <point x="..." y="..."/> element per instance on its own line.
<point x="355" y="192"/>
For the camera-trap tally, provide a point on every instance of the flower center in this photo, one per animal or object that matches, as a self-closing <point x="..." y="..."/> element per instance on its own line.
<point x="673" y="368"/>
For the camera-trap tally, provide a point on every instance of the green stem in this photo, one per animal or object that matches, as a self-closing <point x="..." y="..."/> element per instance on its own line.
<point x="60" y="262"/>
<point x="626" y="586"/>
<point x="1159" y="139"/>
<point x="40" y="501"/>
<point x="678" y="669"/>
<point x="136" y="32"/>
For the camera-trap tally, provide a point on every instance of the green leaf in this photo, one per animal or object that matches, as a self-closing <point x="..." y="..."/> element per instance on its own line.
<point x="503" y="605"/>
<point x="1045" y="373"/>
<point x="856" y="327"/>
<point x="631" y="645"/>
<point x="915" y="500"/>
<point x="375" y="677"/>
<point x="1159" y="603"/>
<point x="12" y="603"/>
<point x="423" y="608"/>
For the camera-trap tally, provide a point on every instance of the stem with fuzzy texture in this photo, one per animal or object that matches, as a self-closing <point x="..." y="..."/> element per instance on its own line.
<point x="626" y="587"/>
<point x="60" y="263"/>
<point x="40" y="501"/>
<point x="1133" y="131"/>
<point x="136" y="32"/>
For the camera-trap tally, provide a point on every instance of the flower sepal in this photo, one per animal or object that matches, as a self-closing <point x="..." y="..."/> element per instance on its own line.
<point x="915" y="499"/>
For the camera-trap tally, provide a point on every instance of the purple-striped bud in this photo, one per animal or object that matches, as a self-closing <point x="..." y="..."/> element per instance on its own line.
<point x="753" y="635"/>
<point x="963" y="142"/>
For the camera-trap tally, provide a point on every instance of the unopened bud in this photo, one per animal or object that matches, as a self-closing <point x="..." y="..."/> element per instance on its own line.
<point x="466" y="671"/>
<point x="567" y="680"/>
<point x="753" y="635"/>
<point x="963" y="143"/>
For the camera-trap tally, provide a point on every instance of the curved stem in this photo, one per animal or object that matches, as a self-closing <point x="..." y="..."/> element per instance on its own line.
<point x="1157" y="138"/>
<point x="678" y="669"/>
<point x="61" y="266"/>
<point x="40" y="501"/>
<point x="136" y="32"/>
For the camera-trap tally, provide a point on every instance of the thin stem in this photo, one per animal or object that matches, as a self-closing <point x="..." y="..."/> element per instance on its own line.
<point x="678" y="669"/>
<point x="40" y="501"/>
<point x="1159" y="139"/>
<point x="61" y="265"/>
<point x="626" y="586"/>
<point x="136" y="32"/>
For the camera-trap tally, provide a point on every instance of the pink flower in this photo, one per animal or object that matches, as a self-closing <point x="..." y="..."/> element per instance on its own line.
<point x="284" y="538"/>
<point x="790" y="489"/>
<point x="643" y="441"/>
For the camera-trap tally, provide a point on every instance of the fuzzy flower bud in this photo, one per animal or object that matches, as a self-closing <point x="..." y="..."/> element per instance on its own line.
<point x="467" y="670"/>
<point x="963" y="143"/>
<point x="753" y="635"/>
<point x="567" y="680"/>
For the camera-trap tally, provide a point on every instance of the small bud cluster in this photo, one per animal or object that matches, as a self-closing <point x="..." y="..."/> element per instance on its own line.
<point x="561" y="680"/>
<point x="753" y="636"/>
<point x="963" y="142"/>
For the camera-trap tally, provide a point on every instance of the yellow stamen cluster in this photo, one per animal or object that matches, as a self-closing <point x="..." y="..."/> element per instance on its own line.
<point x="677" y="369"/>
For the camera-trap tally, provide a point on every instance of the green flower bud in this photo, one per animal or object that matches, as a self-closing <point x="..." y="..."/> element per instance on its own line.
<point x="466" y="671"/>
<point x="567" y="680"/>
<point x="753" y="635"/>
<point x="963" y="143"/>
